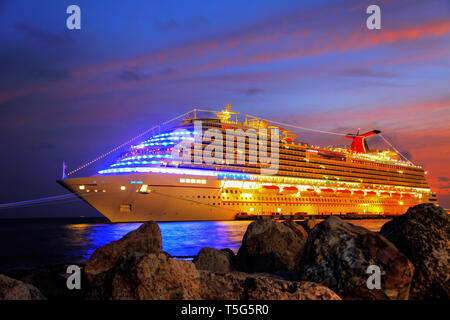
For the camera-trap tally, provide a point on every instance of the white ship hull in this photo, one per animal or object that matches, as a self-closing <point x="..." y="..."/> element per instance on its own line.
<point x="165" y="200"/>
<point x="168" y="197"/>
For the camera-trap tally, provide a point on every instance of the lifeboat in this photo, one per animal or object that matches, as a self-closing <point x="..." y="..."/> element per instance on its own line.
<point x="271" y="188"/>
<point x="395" y="194"/>
<point x="310" y="190"/>
<point x="371" y="193"/>
<point x="290" y="190"/>
<point x="326" y="190"/>
<point x="358" y="192"/>
<point x="406" y="195"/>
<point x="289" y="136"/>
<point x="344" y="191"/>
<point x="385" y="194"/>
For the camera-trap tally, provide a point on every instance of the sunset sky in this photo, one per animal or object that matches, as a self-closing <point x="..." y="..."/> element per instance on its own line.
<point x="74" y="94"/>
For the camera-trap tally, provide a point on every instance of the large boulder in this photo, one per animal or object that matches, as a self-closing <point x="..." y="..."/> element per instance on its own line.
<point x="270" y="246"/>
<point x="48" y="279"/>
<point x="12" y="289"/>
<point x="145" y="239"/>
<point x="297" y="228"/>
<point x="232" y="257"/>
<point x="338" y="254"/>
<point x="422" y="234"/>
<point x="244" y="286"/>
<point x="139" y="276"/>
<point x="214" y="260"/>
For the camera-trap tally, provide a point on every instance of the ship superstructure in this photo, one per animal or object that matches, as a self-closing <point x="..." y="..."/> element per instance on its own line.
<point x="148" y="183"/>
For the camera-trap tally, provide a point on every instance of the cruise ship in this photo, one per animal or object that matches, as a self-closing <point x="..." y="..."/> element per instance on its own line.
<point x="150" y="181"/>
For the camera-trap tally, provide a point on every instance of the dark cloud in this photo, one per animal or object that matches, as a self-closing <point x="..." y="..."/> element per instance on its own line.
<point x="43" y="36"/>
<point x="34" y="55"/>
<point x="368" y="73"/>
<point x="199" y="22"/>
<point x="166" y="25"/>
<point x="131" y="75"/>
<point x="134" y="74"/>
<point x="172" y="24"/>
<point x="49" y="74"/>
<point x="24" y="66"/>
<point x="252" y="91"/>
<point x="167" y="70"/>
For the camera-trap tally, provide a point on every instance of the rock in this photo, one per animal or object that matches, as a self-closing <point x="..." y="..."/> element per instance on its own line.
<point x="232" y="257"/>
<point x="146" y="239"/>
<point x="12" y="289"/>
<point x="214" y="260"/>
<point x="298" y="229"/>
<point x="422" y="234"/>
<point x="308" y="224"/>
<point x="51" y="280"/>
<point x="47" y="279"/>
<point x="270" y="246"/>
<point x="243" y="286"/>
<point x="139" y="276"/>
<point x="337" y="255"/>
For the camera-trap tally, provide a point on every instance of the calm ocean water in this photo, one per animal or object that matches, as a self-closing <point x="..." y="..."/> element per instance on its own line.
<point x="29" y="243"/>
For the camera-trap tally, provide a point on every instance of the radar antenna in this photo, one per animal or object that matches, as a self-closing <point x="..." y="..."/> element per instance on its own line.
<point x="226" y="113"/>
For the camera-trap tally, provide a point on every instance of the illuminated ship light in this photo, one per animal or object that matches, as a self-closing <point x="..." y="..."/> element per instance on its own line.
<point x="147" y="183"/>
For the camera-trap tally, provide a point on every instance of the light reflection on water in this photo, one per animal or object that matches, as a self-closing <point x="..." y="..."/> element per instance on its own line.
<point x="187" y="238"/>
<point x="28" y="244"/>
<point x="178" y="238"/>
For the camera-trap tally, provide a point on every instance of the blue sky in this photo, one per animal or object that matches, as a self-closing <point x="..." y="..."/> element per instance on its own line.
<point x="71" y="95"/>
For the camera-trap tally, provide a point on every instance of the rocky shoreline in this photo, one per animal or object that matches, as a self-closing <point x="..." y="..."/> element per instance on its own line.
<point x="277" y="261"/>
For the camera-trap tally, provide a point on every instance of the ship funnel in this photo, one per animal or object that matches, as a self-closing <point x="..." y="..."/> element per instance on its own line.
<point x="359" y="144"/>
